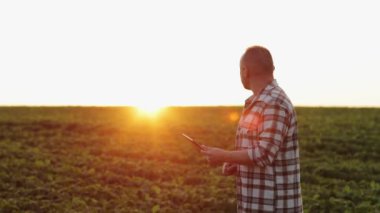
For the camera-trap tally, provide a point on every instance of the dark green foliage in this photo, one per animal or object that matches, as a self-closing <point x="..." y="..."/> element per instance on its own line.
<point x="93" y="159"/>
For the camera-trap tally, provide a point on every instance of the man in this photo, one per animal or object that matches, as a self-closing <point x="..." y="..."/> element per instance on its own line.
<point x="266" y="156"/>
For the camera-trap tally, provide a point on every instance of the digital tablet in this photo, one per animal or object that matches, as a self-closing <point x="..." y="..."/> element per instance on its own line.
<point x="197" y="145"/>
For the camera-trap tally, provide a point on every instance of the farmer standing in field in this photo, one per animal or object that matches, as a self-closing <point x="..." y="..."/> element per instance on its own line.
<point x="266" y="157"/>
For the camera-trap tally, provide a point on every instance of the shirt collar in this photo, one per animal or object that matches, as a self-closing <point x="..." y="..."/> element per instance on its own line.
<point x="261" y="94"/>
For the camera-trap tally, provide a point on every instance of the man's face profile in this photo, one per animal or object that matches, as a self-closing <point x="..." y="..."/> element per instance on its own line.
<point x="244" y="75"/>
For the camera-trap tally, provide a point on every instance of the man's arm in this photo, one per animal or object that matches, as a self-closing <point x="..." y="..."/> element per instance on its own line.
<point x="268" y="142"/>
<point x="217" y="156"/>
<point x="274" y="128"/>
<point x="238" y="157"/>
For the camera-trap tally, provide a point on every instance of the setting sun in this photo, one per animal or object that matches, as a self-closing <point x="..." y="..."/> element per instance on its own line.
<point x="150" y="110"/>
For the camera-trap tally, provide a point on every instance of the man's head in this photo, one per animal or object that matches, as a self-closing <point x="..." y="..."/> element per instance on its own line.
<point x="256" y="67"/>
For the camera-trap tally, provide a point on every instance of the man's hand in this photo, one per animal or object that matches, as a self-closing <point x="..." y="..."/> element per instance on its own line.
<point x="229" y="169"/>
<point x="215" y="156"/>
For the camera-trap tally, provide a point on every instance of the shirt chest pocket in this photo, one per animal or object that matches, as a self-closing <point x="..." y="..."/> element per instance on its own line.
<point x="252" y="121"/>
<point x="249" y="130"/>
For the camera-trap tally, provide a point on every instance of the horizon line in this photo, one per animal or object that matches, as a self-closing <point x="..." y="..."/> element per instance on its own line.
<point x="168" y="106"/>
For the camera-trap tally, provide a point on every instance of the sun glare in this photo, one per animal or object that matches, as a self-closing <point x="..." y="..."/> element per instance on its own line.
<point x="150" y="110"/>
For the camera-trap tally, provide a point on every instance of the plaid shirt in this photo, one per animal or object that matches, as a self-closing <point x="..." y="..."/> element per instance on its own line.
<point x="268" y="130"/>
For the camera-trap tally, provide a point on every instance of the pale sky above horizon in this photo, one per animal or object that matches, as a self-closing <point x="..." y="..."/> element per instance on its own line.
<point x="326" y="53"/>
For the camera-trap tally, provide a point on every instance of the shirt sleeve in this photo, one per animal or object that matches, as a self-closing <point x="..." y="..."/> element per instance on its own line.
<point x="269" y="139"/>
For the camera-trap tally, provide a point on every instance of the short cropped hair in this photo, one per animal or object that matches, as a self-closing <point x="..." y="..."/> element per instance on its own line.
<point x="259" y="55"/>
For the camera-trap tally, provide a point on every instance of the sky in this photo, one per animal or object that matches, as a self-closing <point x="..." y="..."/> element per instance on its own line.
<point x="159" y="53"/>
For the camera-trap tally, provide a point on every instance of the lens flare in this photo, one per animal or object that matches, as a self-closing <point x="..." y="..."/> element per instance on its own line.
<point x="234" y="116"/>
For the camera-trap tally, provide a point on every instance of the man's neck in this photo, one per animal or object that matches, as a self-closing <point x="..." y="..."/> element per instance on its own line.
<point x="260" y="85"/>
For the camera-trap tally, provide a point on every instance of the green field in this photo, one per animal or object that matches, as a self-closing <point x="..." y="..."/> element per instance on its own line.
<point x="93" y="159"/>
